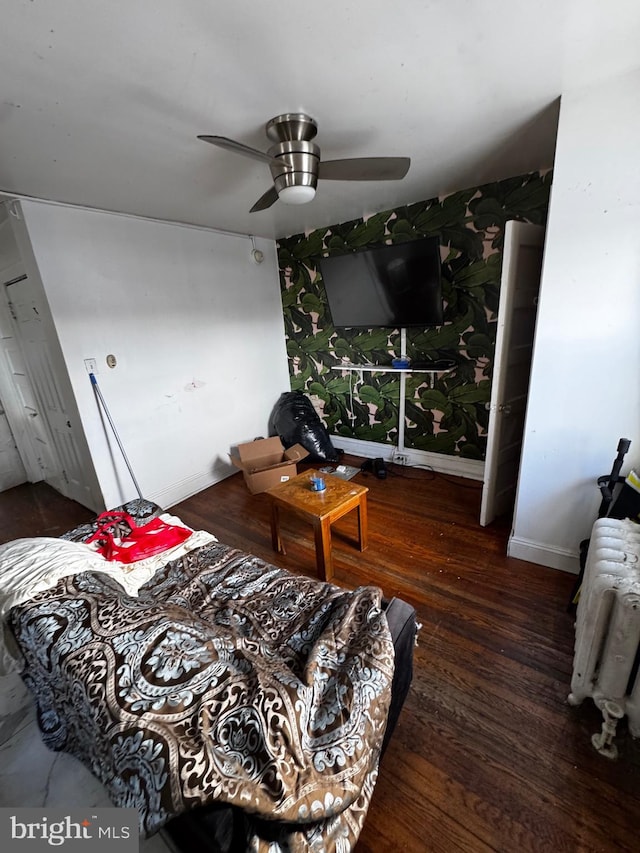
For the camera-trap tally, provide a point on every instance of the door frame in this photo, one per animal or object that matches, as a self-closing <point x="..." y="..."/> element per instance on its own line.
<point x="516" y="234"/>
<point x="71" y="471"/>
<point x="82" y="486"/>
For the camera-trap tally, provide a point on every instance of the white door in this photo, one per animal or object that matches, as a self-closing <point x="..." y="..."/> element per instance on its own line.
<point x="21" y="409"/>
<point x="60" y="457"/>
<point x="517" y="309"/>
<point x="39" y="457"/>
<point x="12" y="471"/>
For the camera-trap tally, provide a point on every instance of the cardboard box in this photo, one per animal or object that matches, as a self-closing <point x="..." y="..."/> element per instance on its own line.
<point x="265" y="463"/>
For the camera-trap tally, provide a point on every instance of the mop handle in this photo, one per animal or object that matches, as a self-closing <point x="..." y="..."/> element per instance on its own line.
<point x="96" y="388"/>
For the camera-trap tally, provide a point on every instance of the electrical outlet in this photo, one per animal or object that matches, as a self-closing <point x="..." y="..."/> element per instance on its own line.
<point x="400" y="459"/>
<point x="91" y="365"/>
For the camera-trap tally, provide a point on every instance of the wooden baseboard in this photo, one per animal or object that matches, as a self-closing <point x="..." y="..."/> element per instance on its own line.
<point x="537" y="552"/>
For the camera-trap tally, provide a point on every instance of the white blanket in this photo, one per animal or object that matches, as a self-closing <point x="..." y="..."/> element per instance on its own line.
<point x="29" y="566"/>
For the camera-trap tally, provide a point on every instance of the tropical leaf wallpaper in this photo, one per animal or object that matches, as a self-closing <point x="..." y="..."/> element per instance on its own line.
<point x="445" y="414"/>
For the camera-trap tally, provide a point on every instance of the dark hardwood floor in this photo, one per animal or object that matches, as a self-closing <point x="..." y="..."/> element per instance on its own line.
<point x="37" y="510"/>
<point x="487" y="754"/>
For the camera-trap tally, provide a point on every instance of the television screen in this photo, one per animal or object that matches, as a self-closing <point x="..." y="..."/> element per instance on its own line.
<point x="397" y="285"/>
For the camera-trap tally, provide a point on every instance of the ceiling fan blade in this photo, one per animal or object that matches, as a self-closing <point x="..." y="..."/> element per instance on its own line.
<point x="239" y="148"/>
<point x="365" y="169"/>
<point x="266" y="200"/>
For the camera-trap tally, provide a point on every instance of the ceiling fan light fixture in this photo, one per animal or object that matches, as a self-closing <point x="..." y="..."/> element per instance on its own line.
<point x="297" y="194"/>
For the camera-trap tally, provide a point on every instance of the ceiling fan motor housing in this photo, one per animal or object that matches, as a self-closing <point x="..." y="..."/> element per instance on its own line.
<point x="300" y="161"/>
<point x="291" y="127"/>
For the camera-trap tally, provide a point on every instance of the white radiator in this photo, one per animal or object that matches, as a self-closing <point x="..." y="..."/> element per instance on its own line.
<point x="608" y="629"/>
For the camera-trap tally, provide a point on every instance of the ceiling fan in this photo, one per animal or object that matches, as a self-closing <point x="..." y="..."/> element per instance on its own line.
<point x="295" y="161"/>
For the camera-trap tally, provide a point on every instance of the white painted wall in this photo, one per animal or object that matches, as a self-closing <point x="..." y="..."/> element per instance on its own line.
<point x="585" y="389"/>
<point x="197" y="330"/>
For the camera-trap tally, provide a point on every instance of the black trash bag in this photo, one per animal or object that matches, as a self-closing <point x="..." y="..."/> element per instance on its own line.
<point x="295" y="421"/>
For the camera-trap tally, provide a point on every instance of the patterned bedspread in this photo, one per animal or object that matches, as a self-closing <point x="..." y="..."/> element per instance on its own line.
<point x="226" y="680"/>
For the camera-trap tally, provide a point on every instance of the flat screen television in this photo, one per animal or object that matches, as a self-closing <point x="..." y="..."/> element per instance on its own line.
<point x="395" y="285"/>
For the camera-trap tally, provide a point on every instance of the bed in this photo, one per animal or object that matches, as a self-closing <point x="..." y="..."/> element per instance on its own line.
<point x="234" y="704"/>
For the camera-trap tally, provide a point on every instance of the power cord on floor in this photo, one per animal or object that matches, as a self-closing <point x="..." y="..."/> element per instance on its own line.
<point x="400" y="469"/>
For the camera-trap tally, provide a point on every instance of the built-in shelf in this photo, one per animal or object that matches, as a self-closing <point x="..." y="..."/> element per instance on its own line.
<point x="378" y="368"/>
<point x="359" y="369"/>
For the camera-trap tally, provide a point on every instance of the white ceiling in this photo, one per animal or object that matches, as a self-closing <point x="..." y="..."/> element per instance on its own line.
<point x="101" y="102"/>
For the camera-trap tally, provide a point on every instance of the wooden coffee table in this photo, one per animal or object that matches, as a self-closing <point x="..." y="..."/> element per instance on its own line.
<point x="321" y="509"/>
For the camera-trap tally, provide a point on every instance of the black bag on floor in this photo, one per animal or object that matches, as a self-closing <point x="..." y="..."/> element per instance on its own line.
<point x="295" y="421"/>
